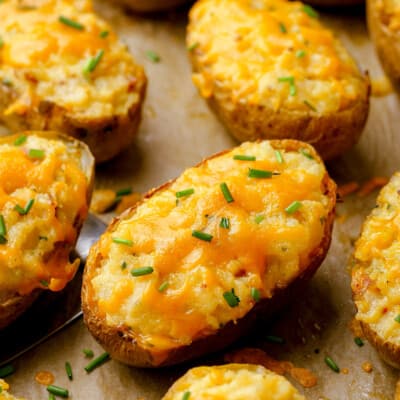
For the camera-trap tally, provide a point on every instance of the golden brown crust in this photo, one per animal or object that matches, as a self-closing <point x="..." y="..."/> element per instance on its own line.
<point x="123" y="347"/>
<point x="387" y="42"/>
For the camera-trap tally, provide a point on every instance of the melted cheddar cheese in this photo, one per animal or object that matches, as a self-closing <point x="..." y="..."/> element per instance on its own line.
<point x="272" y="53"/>
<point x="233" y="382"/>
<point x="4" y="395"/>
<point x="35" y="247"/>
<point x="263" y="248"/>
<point x="43" y="59"/>
<point x="376" y="269"/>
<point x="389" y="13"/>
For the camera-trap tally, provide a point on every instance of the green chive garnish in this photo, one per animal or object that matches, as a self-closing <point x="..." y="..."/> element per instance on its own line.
<point x="255" y="294"/>
<point x="20" y="140"/>
<point x="24" y="211"/>
<point x="1" y="42"/>
<point x="282" y="27"/>
<point x="300" y="53"/>
<point x="259" y="218"/>
<point x="358" y="341"/>
<point x="397" y="319"/>
<point x="3" y="229"/>
<point x="292" y="85"/>
<point x="331" y="364"/>
<point x="275" y="339"/>
<point x="93" y="62"/>
<point x="71" y="23"/>
<point x="7" y="82"/>
<point x="310" y="11"/>
<point x="292" y="208"/>
<point x="193" y="46"/>
<point x="58" y="391"/>
<point x="202" y="236"/>
<point x="259" y="173"/>
<point x="43" y="238"/>
<point x="186" y="396"/>
<point x="142" y="271"/>
<point x="184" y="193"/>
<point x="226" y="192"/>
<point x="68" y="370"/>
<point x="243" y="157"/>
<point x="124" y="265"/>
<point x="306" y="154"/>
<point x="225" y="223"/>
<point x="36" y="153"/>
<point x="3" y="239"/>
<point x="123" y="192"/>
<point x="97" y="362"/>
<point x="278" y="156"/>
<point x="44" y="283"/>
<point x="103" y="34"/>
<point x="309" y="105"/>
<point x="231" y="298"/>
<point x="51" y="396"/>
<point x="126" y="242"/>
<point x="88" y="353"/>
<point x="163" y="286"/>
<point x="153" y="56"/>
<point x="6" y="371"/>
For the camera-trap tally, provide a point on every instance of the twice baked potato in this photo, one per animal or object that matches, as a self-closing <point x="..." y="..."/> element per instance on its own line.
<point x="375" y="272"/>
<point x="271" y="70"/>
<point x="232" y="382"/>
<point x="383" y="18"/>
<point x="45" y="187"/>
<point x="152" y="5"/>
<point x="62" y="68"/>
<point x="186" y="271"/>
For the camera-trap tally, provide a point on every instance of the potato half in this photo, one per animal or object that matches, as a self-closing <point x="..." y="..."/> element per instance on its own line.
<point x="375" y="272"/>
<point x="271" y="70"/>
<point x="383" y="18"/>
<point x="46" y="183"/>
<point x="232" y="382"/>
<point x="62" y="68"/>
<point x="186" y="271"/>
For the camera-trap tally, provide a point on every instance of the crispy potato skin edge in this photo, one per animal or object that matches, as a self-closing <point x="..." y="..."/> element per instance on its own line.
<point x="12" y="305"/>
<point x="123" y="347"/>
<point x="387" y="43"/>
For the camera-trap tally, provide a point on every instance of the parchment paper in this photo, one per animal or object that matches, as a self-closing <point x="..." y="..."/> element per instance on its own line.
<point x="177" y="131"/>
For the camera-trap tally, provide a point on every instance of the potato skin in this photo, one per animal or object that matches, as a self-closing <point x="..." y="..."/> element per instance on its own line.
<point x="387" y="41"/>
<point x="12" y="304"/>
<point x="337" y="3"/>
<point x="123" y="347"/>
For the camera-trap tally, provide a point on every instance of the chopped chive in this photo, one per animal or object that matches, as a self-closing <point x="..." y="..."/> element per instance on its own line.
<point x="71" y="23"/>
<point x="3" y="229"/>
<point x="255" y="294"/>
<point x="43" y="238"/>
<point x="358" y="341"/>
<point x="123" y="192"/>
<point x="309" y="105"/>
<point x="126" y="242"/>
<point x="20" y="140"/>
<point x="243" y="157"/>
<point x="259" y="173"/>
<point x="300" y="53"/>
<point x="278" y="156"/>
<point x="282" y="27"/>
<point x="259" y="218"/>
<point x="51" y="396"/>
<point x="44" y="283"/>
<point x="58" y="391"/>
<point x="68" y="370"/>
<point x="7" y="82"/>
<point x="226" y="192"/>
<point x="6" y="371"/>
<point x="163" y="286"/>
<point x="193" y="46"/>
<point x="225" y="223"/>
<point x="293" y="207"/>
<point x="184" y="193"/>
<point x="292" y="85"/>
<point x="310" y="11"/>
<point x="142" y="271"/>
<point x="24" y="211"/>
<point x="36" y="153"/>
<point x="1" y="42"/>
<point x="97" y="362"/>
<point x="202" y="236"/>
<point x="88" y="353"/>
<point x="186" y="395"/>
<point x="397" y="319"/>
<point x="3" y="239"/>
<point x="104" y="34"/>
<point x="231" y="298"/>
<point x="306" y="154"/>
<point x="275" y="339"/>
<point x="153" y="56"/>
<point x="124" y="265"/>
<point x="332" y="365"/>
<point x="93" y="62"/>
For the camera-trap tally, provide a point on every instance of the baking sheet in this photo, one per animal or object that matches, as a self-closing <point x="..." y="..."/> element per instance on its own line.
<point x="177" y="131"/>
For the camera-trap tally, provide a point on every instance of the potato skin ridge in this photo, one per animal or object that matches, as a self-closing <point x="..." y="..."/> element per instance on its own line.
<point x="122" y="344"/>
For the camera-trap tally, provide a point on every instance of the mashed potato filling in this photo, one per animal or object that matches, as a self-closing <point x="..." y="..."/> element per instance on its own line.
<point x="191" y="258"/>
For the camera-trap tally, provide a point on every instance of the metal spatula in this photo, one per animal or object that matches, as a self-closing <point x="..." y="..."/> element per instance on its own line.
<point x="52" y="311"/>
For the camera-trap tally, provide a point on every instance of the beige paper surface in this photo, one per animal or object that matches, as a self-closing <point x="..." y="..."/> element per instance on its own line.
<point x="177" y="131"/>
